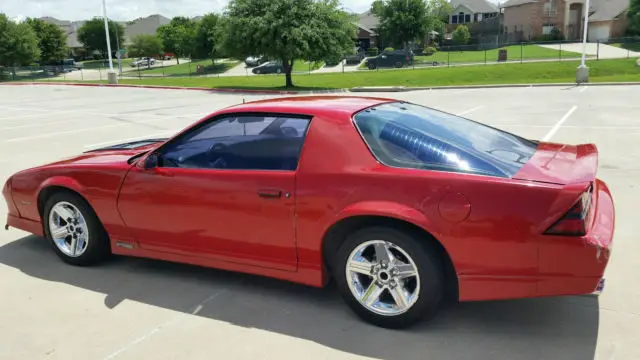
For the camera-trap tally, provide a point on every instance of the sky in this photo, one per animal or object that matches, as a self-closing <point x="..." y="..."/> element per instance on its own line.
<point x="123" y="10"/>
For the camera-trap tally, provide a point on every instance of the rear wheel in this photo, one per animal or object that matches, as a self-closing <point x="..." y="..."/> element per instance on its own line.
<point x="398" y="64"/>
<point x="388" y="278"/>
<point x="371" y="66"/>
<point x="76" y="234"/>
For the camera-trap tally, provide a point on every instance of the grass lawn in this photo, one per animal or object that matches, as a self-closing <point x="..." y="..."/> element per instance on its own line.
<point x="185" y="69"/>
<point x="514" y="52"/>
<point x="304" y="66"/>
<point x="624" y="70"/>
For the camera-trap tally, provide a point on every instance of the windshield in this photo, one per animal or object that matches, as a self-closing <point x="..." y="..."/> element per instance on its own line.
<point x="408" y="135"/>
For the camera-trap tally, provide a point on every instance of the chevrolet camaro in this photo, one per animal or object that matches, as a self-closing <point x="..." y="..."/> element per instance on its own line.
<point x="403" y="206"/>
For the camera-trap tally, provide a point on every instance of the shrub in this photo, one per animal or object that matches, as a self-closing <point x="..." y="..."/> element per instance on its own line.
<point x="389" y="49"/>
<point x="372" y="51"/>
<point x="430" y="50"/>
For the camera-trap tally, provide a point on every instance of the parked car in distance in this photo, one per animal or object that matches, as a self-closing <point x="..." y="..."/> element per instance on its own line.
<point x="357" y="57"/>
<point x="270" y="67"/>
<point x="252" y="61"/>
<point x="396" y="58"/>
<point x="145" y="61"/>
<point x="403" y="206"/>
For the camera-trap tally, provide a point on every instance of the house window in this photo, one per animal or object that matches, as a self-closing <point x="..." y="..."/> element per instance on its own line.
<point x="467" y="18"/>
<point x="461" y="18"/>
<point x="454" y="19"/>
<point x="548" y="28"/>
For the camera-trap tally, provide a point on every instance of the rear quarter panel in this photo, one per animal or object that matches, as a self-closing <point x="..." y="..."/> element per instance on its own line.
<point x="496" y="243"/>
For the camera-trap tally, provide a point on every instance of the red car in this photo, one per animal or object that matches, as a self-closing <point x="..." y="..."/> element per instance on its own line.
<point x="404" y="207"/>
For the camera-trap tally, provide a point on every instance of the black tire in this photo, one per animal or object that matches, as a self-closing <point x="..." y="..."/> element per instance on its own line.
<point x="398" y="64"/>
<point x="371" y="66"/>
<point x="429" y="267"/>
<point x="98" y="247"/>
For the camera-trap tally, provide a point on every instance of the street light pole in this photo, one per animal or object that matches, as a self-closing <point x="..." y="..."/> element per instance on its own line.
<point x="118" y="54"/>
<point x="113" y="78"/>
<point x="582" y="75"/>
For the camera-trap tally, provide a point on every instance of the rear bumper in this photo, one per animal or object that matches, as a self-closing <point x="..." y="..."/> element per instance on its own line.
<point x="30" y="226"/>
<point x="576" y="265"/>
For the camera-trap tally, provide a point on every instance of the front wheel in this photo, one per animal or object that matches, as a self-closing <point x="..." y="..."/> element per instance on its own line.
<point x="388" y="277"/>
<point x="75" y="232"/>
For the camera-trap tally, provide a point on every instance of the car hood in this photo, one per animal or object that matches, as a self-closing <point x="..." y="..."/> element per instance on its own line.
<point x="112" y="154"/>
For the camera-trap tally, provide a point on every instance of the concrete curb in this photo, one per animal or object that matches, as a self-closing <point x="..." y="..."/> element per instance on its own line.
<point x="310" y="92"/>
<point x="161" y="87"/>
<point x="496" y="86"/>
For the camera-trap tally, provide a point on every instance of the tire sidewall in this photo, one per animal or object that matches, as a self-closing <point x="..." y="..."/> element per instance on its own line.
<point x="97" y="248"/>
<point x="429" y="270"/>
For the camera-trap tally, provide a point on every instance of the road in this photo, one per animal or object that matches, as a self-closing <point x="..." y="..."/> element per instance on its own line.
<point x="142" y="309"/>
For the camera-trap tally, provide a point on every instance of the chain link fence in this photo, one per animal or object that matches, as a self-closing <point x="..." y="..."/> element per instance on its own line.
<point x="444" y="56"/>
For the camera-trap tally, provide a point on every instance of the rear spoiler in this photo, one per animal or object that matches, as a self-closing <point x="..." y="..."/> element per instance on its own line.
<point x="561" y="164"/>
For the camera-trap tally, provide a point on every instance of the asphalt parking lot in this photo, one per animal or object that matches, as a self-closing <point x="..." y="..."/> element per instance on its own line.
<point x="138" y="309"/>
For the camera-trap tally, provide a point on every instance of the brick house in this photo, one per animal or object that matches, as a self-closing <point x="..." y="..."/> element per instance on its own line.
<point x="367" y="24"/>
<point x="526" y="20"/>
<point x="471" y="13"/>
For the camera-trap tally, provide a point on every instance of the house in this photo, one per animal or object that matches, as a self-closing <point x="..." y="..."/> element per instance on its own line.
<point x="526" y="20"/>
<point x="367" y="25"/>
<point x="70" y="29"/>
<point x="145" y="25"/>
<point x="470" y="12"/>
<point x="609" y="20"/>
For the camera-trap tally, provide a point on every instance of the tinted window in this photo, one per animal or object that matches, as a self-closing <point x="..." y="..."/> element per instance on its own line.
<point x="242" y="143"/>
<point x="408" y="135"/>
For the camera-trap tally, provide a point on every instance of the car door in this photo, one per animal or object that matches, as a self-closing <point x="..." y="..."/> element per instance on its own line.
<point x="224" y="190"/>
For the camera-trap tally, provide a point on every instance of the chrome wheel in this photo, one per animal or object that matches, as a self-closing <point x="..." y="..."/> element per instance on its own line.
<point x="68" y="229"/>
<point x="383" y="277"/>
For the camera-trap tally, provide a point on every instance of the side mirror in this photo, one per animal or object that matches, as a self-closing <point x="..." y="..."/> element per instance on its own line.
<point x="151" y="161"/>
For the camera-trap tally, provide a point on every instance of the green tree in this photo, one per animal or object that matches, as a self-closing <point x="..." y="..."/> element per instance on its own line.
<point x="52" y="41"/>
<point x="633" y="16"/>
<point x="437" y="16"/>
<point x="146" y="45"/>
<point x="461" y="35"/>
<point x="287" y="30"/>
<point x="207" y="37"/>
<point x="94" y="38"/>
<point x="178" y="36"/>
<point x="401" y="21"/>
<point x="18" y="43"/>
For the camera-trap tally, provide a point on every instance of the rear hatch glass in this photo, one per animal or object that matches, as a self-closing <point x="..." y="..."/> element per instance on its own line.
<point x="407" y="135"/>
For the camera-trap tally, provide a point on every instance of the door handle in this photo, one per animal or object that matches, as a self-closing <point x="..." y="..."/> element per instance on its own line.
<point x="271" y="194"/>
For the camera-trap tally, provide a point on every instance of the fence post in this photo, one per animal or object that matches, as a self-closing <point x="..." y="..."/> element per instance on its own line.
<point x="189" y="67"/>
<point x="448" y="59"/>
<point x="560" y="52"/>
<point x="162" y="64"/>
<point x="139" y="75"/>
<point x="485" y="56"/>
<point x="100" y="72"/>
<point x="81" y="74"/>
<point x="598" y="51"/>
<point x="521" y="52"/>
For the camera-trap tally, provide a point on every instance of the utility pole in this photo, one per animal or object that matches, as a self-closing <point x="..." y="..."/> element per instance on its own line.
<point x="111" y="75"/>
<point x="582" y="74"/>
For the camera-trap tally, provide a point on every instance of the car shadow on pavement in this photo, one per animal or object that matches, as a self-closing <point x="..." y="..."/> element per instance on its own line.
<point x="551" y="328"/>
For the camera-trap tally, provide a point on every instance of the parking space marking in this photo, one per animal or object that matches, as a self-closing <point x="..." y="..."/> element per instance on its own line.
<point x="555" y="128"/>
<point x="39" y="124"/>
<point x="466" y="112"/>
<point x="42" y="136"/>
<point x="150" y="136"/>
<point x="584" y="89"/>
<point x="175" y="320"/>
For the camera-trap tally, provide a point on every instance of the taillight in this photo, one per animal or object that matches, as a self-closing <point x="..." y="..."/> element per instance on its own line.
<point x="576" y="220"/>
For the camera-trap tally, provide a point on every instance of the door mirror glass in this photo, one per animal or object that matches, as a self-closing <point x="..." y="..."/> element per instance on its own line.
<point x="151" y="161"/>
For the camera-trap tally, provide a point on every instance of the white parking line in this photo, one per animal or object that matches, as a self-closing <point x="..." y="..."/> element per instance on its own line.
<point x="583" y="89"/>
<point x="470" y="110"/>
<point x="555" y="128"/>
<point x="39" y="124"/>
<point x="42" y="136"/>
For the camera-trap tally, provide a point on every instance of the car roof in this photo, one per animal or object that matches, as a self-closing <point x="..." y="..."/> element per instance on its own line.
<point x="310" y="105"/>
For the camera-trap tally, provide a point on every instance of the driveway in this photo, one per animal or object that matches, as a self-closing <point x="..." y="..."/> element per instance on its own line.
<point x="602" y="50"/>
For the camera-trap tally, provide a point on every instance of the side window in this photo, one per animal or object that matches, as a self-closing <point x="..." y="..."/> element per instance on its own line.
<point x="240" y="143"/>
